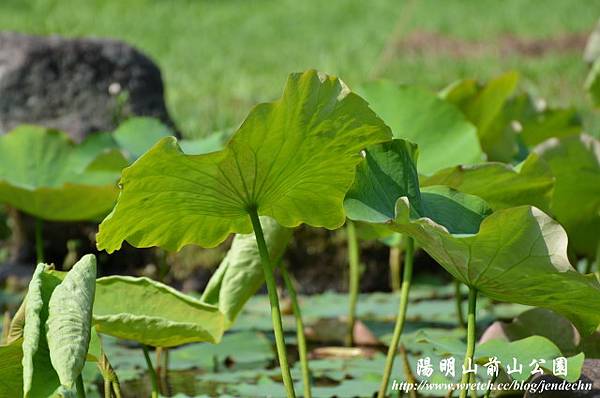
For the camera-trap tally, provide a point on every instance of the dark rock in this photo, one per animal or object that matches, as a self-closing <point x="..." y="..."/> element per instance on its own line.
<point x="589" y="374"/>
<point x="76" y="85"/>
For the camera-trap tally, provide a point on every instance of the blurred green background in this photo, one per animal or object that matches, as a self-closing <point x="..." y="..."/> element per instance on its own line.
<point x="221" y="57"/>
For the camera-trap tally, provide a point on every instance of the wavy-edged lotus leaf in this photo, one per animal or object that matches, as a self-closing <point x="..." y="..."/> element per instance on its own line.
<point x="575" y="162"/>
<point x="516" y="254"/>
<point x="484" y="106"/>
<point x="11" y="369"/>
<point x="39" y="377"/>
<point x="153" y="313"/>
<point x="446" y="138"/>
<point x="44" y="173"/>
<point x="524" y="351"/>
<point x="292" y="160"/>
<point x="241" y="274"/>
<point x="70" y="320"/>
<point x="500" y="184"/>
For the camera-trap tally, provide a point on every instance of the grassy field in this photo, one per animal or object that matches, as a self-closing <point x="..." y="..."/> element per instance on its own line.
<point x="221" y="57"/>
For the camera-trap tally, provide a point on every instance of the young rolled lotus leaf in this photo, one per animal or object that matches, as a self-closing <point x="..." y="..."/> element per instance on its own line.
<point x="445" y="136"/>
<point x="240" y="274"/>
<point x="153" y="314"/>
<point x="499" y="184"/>
<point x="70" y="319"/>
<point x="292" y="159"/>
<point x="44" y="173"/>
<point x="39" y="377"/>
<point x="575" y="162"/>
<point x="484" y="106"/>
<point x="11" y="370"/>
<point x="515" y="255"/>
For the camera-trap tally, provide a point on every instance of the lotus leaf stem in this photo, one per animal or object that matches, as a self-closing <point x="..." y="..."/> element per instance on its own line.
<point x="459" y="309"/>
<point x="393" y="348"/>
<point x="354" y="282"/>
<point x="395" y="267"/>
<point x="471" y="332"/>
<point x="151" y="372"/>
<point x="274" y="300"/>
<point x="302" y="352"/>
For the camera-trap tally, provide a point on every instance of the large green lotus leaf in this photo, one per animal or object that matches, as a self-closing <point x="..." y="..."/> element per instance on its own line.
<point x="39" y="377"/>
<point x="445" y="137"/>
<point x="388" y="173"/>
<point x="515" y="255"/>
<point x="292" y="160"/>
<point x="499" y="184"/>
<point x="44" y="173"/>
<point x="240" y="274"/>
<point x="484" y="107"/>
<point x="70" y="320"/>
<point x="11" y="370"/>
<point x="152" y="313"/>
<point x="575" y="162"/>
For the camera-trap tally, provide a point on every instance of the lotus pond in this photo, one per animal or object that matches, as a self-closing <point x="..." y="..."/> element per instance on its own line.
<point x="501" y="195"/>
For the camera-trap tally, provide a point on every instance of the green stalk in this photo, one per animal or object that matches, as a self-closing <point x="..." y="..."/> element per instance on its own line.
<point x="354" y="282"/>
<point x="274" y="300"/>
<point x="395" y="267"/>
<point x="488" y="392"/>
<point x="470" y="339"/>
<point x="151" y="372"/>
<point x="459" y="310"/>
<point x="116" y="388"/>
<point x="111" y="381"/>
<point x="107" y="389"/>
<point x="302" y="352"/>
<point x="80" y="387"/>
<point x="406" y="279"/>
<point x="39" y="241"/>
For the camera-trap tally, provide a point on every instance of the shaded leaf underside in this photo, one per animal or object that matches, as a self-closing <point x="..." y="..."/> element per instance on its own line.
<point x="152" y="313"/>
